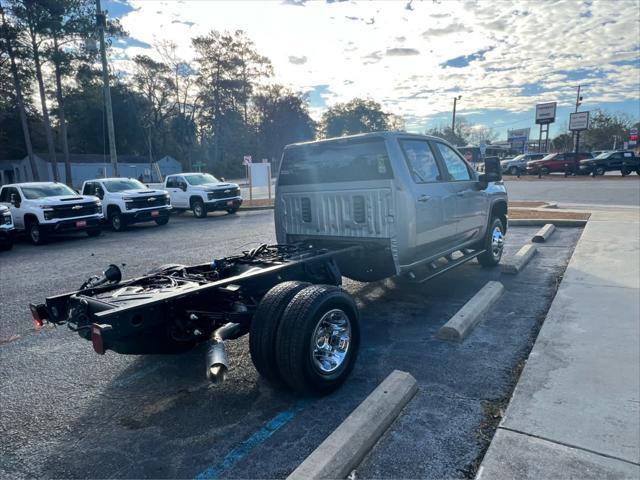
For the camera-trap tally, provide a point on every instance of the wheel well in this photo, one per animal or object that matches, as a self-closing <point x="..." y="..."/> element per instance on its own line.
<point x="28" y="218"/>
<point x="111" y="209"/>
<point x="193" y="199"/>
<point x="499" y="209"/>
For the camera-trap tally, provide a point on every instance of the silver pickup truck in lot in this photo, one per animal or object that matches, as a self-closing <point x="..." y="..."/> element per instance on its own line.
<point x="407" y="200"/>
<point x="366" y="207"/>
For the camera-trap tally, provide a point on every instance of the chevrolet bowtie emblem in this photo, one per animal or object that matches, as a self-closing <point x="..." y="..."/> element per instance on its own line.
<point x="151" y="199"/>
<point x="76" y="207"/>
<point x="227" y="191"/>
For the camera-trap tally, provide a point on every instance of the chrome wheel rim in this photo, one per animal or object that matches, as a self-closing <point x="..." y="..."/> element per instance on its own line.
<point x="115" y="222"/>
<point x="497" y="242"/>
<point x="330" y="341"/>
<point x="197" y="209"/>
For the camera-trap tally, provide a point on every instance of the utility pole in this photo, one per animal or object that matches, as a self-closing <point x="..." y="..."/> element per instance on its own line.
<point x="101" y="22"/>
<point x="453" y="121"/>
<point x="578" y="102"/>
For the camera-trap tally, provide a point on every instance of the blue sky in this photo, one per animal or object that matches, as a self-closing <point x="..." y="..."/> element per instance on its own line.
<point x="414" y="56"/>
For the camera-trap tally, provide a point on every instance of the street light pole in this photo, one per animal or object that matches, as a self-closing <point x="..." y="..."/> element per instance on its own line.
<point x="453" y="121"/>
<point x="101" y="22"/>
<point x="578" y="102"/>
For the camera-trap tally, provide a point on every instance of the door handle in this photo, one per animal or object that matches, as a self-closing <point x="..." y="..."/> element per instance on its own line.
<point x="424" y="198"/>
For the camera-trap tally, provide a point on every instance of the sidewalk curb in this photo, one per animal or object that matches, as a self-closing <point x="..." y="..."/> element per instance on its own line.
<point x="344" y="449"/>
<point x="544" y="233"/>
<point x="517" y="262"/>
<point x="461" y="324"/>
<point x="244" y="209"/>
<point x="541" y="222"/>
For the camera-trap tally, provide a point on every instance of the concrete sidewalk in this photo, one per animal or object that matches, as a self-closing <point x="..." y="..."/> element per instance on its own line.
<point x="575" y="410"/>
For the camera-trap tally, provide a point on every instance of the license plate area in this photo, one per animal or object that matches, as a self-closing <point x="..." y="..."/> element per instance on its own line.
<point x="229" y="203"/>
<point x="155" y="213"/>
<point x="81" y="224"/>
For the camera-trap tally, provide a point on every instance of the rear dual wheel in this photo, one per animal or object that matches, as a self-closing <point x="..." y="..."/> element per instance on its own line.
<point x="306" y="336"/>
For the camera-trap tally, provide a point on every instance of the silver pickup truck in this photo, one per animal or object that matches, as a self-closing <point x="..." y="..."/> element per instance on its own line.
<point x="411" y="202"/>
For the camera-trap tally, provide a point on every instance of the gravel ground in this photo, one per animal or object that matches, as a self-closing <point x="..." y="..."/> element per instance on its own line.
<point x="69" y="413"/>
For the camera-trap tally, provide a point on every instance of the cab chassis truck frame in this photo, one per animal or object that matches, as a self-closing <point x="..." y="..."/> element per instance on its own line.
<point x="287" y="296"/>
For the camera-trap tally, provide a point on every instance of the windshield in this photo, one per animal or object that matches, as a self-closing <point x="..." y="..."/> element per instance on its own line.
<point x="201" y="179"/>
<point x="519" y="157"/>
<point x="335" y="161"/>
<point x="122" y="184"/>
<point x="41" y="191"/>
<point x="603" y="155"/>
<point x="550" y="156"/>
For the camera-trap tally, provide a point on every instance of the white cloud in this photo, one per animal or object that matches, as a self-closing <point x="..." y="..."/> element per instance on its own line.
<point x="394" y="55"/>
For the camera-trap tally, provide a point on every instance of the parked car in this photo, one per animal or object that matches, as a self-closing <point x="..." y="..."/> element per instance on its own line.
<point x="202" y="193"/>
<point x="44" y="208"/>
<point x="126" y="201"/>
<point x="515" y="165"/>
<point x="557" y="162"/>
<point x="407" y="199"/>
<point x="623" y="161"/>
<point x="7" y="228"/>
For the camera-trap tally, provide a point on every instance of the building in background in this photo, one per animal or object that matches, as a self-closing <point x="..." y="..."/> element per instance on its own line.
<point x="88" y="166"/>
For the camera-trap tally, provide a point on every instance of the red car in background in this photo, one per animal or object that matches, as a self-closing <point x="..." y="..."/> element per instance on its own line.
<point x="557" y="162"/>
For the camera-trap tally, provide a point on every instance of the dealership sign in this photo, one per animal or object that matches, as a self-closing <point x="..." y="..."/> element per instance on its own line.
<point x="546" y="113"/>
<point x="518" y="136"/>
<point x="578" y="121"/>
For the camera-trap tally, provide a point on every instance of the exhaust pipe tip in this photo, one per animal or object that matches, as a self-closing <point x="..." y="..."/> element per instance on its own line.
<point x="217" y="373"/>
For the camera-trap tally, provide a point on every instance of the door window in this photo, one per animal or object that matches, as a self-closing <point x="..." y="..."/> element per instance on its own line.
<point x="88" y="188"/>
<point x="4" y="195"/>
<point x="421" y="161"/>
<point x="456" y="166"/>
<point x="171" y="182"/>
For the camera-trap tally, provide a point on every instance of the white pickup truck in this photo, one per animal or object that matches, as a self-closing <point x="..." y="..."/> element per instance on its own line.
<point x="44" y="208"/>
<point x="126" y="201"/>
<point x="202" y="193"/>
<point x="7" y="228"/>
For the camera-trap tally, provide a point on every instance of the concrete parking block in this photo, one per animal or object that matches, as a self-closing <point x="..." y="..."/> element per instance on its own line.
<point x="345" y="448"/>
<point x="517" y="262"/>
<point x="544" y="233"/>
<point x="459" y="326"/>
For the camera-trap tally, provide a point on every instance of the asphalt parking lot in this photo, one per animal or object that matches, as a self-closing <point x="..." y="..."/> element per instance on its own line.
<point x="67" y="412"/>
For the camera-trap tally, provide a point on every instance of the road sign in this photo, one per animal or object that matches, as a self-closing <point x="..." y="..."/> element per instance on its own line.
<point x="546" y="113"/>
<point x="633" y="137"/>
<point x="246" y="160"/>
<point x="578" y="121"/>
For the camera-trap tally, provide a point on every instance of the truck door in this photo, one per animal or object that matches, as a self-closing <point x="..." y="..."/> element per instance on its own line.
<point x="16" y="212"/>
<point x="175" y="192"/>
<point x="434" y="204"/>
<point x="471" y="202"/>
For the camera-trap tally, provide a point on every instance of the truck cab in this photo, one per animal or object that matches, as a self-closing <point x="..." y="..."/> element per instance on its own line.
<point x="44" y="208"/>
<point x="407" y="200"/>
<point x="202" y="193"/>
<point x="126" y="201"/>
<point x="7" y="228"/>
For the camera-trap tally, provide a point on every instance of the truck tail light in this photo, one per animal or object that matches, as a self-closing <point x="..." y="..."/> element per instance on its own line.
<point x="97" y="338"/>
<point x="38" y="321"/>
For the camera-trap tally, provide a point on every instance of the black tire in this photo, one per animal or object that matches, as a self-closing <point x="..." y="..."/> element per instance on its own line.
<point x="300" y="320"/>
<point x="197" y="206"/>
<point x="231" y="211"/>
<point x="544" y="171"/>
<point x="600" y="171"/>
<point x="624" y="171"/>
<point x="35" y="233"/>
<point x="513" y="170"/>
<point x="94" y="232"/>
<point x="264" y="327"/>
<point x="118" y="223"/>
<point x="638" y="171"/>
<point x="162" y="220"/>
<point x="491" y="257"/>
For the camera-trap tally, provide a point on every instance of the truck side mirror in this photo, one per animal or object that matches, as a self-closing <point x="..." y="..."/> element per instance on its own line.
<point x="99" y="193"/>
<point x="492" y="172"/>
<point x="183" y="186"/>
<point x="15" y="201"/>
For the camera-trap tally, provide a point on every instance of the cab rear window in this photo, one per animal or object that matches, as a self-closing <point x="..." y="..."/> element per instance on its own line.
<point x="335" y="161"/>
